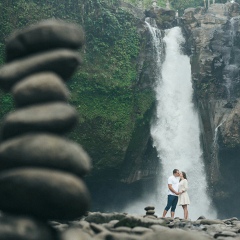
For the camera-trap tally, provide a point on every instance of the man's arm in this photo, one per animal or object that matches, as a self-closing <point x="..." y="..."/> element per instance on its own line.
<point x="172" y="190"/>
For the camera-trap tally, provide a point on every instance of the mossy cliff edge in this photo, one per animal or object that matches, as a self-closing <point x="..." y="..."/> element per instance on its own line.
<point x="113" y="91"/>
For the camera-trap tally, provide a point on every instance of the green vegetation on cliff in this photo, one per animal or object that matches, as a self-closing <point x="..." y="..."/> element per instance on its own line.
<point x="105" y="89"/>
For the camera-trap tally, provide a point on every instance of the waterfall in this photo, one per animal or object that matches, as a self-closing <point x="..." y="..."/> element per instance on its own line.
<point x="176" y="132"/>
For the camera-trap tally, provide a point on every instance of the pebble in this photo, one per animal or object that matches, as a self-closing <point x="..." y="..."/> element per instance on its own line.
<point x="45" y="35"/>
<point x="40" y="88"/>
<point x="42" y="150"/>
<point x="42" y="193"/>
<point x="52" y="117"/>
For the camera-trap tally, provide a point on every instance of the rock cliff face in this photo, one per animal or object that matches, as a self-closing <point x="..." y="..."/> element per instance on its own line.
<point x="213" y="43"/>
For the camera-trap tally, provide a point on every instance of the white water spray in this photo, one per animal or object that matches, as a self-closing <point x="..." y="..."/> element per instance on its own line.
<point x="176" y="130"/>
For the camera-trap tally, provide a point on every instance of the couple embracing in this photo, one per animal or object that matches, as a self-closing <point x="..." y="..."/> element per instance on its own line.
<point x="177" y="193"/>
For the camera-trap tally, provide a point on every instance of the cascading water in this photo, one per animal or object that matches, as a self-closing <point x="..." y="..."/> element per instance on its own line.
<point x="176" y="129"/>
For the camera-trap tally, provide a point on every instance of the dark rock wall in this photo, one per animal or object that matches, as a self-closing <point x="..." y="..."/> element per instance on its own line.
<point x="213" y="43"/>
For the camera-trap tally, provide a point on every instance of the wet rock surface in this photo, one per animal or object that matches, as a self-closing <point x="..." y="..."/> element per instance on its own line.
<point x="212" y="41"/>
<point x="161" y="228"/>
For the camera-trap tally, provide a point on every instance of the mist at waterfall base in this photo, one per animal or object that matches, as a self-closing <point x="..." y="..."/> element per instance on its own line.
<point x="176" y="131"/>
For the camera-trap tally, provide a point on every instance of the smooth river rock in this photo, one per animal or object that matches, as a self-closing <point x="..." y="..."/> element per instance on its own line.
<point x="54" y="117"/>
<point x="48" y="34"/>
<point x="44" y="194"/>
<point x="45" y="151"/>
<point x="40" y="88"/>
<point x="24" y="228"/>
<point x="62" y="62"/>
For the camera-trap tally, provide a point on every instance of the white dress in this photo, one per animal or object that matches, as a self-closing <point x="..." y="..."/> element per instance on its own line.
<point x="183" y="198"/>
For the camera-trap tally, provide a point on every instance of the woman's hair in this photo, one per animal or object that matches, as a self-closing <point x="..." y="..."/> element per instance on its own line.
<point x="184" y="175"/>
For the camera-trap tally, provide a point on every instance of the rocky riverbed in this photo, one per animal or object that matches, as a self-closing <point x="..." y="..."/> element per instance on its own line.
<point x="123" y="226"/>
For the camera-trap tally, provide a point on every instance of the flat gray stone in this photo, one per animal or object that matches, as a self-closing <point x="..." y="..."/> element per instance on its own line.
<point x="24" y="228"/>
<point x="99" y="218"/>
<point x="75" y="234"/>
<point x="149" y="208"/>
<point x="62" y="62"/>
<point x="97" y="228"/>
<point x="133" y="221"/>
<point x="42" y="193"/>
<point x="48" y="34"/>
<point x="40" y="88"/>
<point x="46" y="151"/>
<point x="141" y="230"/>
<point x="54" y="117"/>
<point x="211" y="221"/>
<point x="150" y="212"/>
<point x="117" y="236"/>
<point x="225" y="234"/>
<point x="178" y="234"/>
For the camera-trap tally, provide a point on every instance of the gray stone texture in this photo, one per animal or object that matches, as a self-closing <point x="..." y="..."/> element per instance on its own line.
<point x="24" y="228"/>
<point x="62" y="62"/>
<point x="54" y="117"/>
<point x="45" y="151"/>
<point x="40" y="88"/>
<point x="46" y="35"/>
<point x="44" y="194"/>
<point x="213" y="38"/>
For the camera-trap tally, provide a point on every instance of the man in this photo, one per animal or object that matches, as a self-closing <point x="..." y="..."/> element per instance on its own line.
<point x="173" y="193"/>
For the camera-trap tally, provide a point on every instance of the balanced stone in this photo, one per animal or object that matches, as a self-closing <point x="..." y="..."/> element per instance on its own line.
<point x="48" y="34"/>
<point x="24" y="228"/>
<point x="46" y="151"/>
<point x="63" y="62"/>
<point x="42" y="193"/>
<point x="39" y="88"/>
<point x="54" y="117"/>
<point x="149" y="208"/>
<point x="150" y="212"/>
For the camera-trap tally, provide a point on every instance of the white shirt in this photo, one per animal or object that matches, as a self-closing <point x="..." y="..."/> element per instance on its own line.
<point x="174" y="181"/>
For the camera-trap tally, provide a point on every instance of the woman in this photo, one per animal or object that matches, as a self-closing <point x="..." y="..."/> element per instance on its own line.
<point x="183" y="198"/>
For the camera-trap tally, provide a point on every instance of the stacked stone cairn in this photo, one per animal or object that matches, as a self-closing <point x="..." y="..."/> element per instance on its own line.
<point x="40" y="170"/>
<point x="150" y="212"/>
